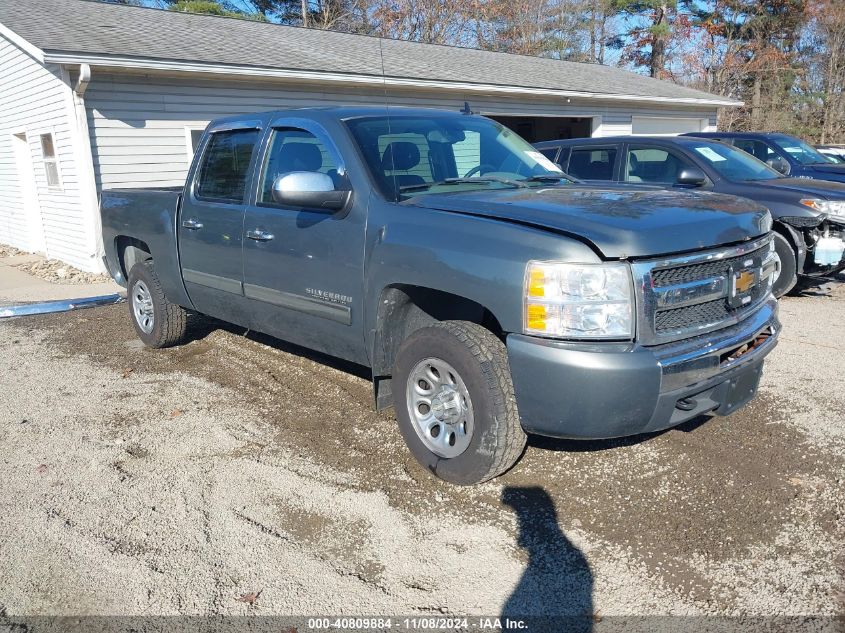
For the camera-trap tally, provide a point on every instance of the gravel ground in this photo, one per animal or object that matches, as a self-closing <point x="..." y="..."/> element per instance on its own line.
<point x="9" y="251"/>
<point x="174" y="482"/>
<point x="58" y="272"/>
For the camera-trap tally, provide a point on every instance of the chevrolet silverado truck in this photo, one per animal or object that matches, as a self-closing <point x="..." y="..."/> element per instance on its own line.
<point x="490" y="296"/>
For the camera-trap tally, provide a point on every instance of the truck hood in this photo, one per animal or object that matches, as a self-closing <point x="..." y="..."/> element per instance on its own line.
<point x="618" y="222"/>
<point x="809" y="187"/>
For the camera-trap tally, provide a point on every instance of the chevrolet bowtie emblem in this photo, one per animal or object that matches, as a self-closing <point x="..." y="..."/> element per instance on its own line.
<point x="744" y="281"/>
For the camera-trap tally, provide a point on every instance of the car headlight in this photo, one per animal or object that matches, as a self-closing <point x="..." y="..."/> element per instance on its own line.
<point x="834" y="208"/>
<point x="590" y="301"/>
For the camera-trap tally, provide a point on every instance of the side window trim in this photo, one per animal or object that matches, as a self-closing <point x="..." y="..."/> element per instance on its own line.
<point x="205" y="143"/>
<point x="317" y="130"/>
<point x="563" y="157"/>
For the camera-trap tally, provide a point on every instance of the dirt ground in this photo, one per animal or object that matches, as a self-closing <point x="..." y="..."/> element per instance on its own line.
<point x="179" y="481"/>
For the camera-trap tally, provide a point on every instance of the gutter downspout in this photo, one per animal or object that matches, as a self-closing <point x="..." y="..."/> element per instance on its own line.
<point x="83" y="80"/>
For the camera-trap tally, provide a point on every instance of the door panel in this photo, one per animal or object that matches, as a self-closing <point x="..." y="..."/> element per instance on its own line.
<point x="211" y="226"/>
<point x="303" y="269"/>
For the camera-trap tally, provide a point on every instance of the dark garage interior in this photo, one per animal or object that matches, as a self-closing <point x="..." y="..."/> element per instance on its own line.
<point x="547" y="128"/>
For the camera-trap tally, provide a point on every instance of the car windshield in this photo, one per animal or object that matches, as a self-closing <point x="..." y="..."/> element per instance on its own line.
<point x="798" y="150"/>
<point x="733" y="164"/>
<point x="409" y="155"/>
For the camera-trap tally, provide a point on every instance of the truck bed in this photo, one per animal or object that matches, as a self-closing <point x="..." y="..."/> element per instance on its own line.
<point x="148" y="216"/>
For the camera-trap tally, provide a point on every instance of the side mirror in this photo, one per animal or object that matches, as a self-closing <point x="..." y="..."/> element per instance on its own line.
<point x="778" y="164"/>
<point x="692" y="177"/>
<point x="309" y="190"/>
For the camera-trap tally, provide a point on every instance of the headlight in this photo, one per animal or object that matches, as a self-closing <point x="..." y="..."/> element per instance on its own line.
<point x="591" y="301"/>
<point x="834" y="208"/>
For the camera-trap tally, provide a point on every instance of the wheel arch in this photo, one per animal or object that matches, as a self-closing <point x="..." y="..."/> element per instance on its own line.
<point x="130" y="251"/>
<point x="795" y="239"/>
<point x="402" y="310"/>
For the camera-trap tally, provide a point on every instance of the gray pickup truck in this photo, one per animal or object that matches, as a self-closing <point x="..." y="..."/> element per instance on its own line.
<point x="490" y="296"/>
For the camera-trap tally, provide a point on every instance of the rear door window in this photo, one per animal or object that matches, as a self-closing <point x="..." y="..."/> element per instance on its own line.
<point x="592" y="163"/>
<point x="225" y="166"/>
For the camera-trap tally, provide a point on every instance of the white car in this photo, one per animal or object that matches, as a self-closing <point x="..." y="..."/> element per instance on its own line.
<point x="835" y="152"/>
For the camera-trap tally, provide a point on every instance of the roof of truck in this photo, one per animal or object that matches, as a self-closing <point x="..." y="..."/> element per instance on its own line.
<point x="335" y="112"/>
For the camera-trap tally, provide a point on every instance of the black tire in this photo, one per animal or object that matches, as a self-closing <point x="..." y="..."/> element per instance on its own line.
<point x="497" y="440"/>
<point x="787" y="277"/>
<point x="169" y="321"/>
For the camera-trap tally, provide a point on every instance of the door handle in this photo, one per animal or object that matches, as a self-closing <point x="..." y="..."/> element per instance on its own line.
<point x="259" y="236"/>
<point x="192" y="224"/>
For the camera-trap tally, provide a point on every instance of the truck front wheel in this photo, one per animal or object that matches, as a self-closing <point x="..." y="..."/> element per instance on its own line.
<point x="158" y="322"/>
<point x="455" y="402"/>
<point x="785" y="271"/>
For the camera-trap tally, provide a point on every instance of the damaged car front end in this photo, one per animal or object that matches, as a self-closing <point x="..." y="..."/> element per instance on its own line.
<point x="818" y="237"/>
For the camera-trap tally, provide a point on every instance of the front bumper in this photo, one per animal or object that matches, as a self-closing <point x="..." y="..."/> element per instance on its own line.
<point x="603" y="390"/>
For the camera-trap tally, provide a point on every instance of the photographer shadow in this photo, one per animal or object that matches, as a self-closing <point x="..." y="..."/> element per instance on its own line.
<point x="555" y="592"/>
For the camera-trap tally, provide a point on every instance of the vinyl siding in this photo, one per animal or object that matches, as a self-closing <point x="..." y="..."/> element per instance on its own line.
<point x="615" y="124"/>
<point x="137" y="123"/>
<point x="35" y="100"/>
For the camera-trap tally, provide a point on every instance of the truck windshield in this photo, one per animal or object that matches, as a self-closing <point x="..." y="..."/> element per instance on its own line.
<point x="798" y="150"/>
<point x="413" y="154"/>
<point x="733" y="164"/>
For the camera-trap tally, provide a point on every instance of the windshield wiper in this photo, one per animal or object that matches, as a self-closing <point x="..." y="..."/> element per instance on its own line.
<point x="460" y="181"/>
<point x="546" y="178"/>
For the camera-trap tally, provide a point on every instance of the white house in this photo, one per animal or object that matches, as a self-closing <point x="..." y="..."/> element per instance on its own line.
<point x="96" y="96"/>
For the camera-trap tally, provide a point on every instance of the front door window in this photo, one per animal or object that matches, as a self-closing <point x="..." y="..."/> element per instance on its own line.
<point x="652" y="165"/>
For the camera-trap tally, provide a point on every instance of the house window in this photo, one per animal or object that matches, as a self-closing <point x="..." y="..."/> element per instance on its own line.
<point x="51" y="166"/>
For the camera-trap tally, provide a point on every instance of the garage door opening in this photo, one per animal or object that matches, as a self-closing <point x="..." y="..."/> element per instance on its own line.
<point x="547" y="128"/>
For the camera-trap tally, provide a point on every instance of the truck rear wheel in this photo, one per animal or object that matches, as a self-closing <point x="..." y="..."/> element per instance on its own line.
<point x="158" y="322"/>
<point x="455" y="402"/>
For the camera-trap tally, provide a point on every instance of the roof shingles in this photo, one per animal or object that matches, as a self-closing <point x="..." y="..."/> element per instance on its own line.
<point x="88" y="27"/>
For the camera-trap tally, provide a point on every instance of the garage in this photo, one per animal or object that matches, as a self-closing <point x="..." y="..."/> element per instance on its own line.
<point x="548" y="128"/>
<point x="666" y="126"/>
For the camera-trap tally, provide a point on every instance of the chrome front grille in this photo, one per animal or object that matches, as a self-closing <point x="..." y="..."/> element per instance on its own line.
<point x="689" y="316"/>
<point x="693" y="272"/>
<point x="688" y="295"/>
